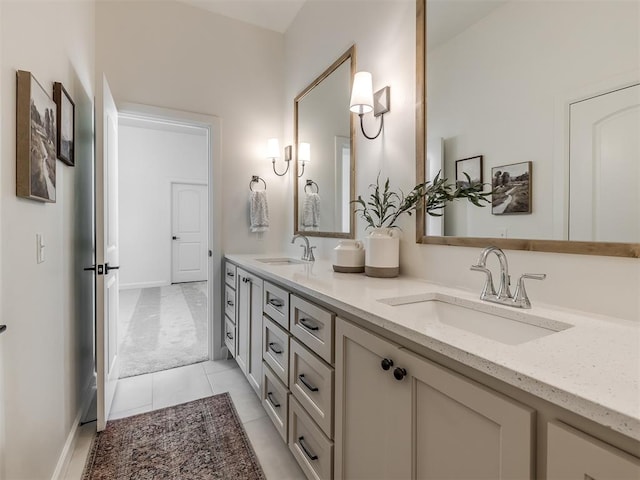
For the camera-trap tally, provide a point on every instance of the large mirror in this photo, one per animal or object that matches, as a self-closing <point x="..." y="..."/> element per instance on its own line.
<point x="540" y="100"/>
<point x="325" y="156"/>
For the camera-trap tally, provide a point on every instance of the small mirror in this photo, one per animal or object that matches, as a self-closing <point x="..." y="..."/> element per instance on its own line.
<point x="325" y="157"/>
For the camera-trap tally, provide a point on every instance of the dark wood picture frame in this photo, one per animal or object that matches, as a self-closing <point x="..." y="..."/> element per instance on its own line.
<point x="65" y="120"/>
<point x="472" y="166"/>
<point x="35" y="140"/>
<point x="511" y="184"/>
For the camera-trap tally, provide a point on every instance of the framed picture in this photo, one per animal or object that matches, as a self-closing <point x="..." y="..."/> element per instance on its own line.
<point x="472" y="166"/>
<point x="35" y="140"/>
<point x="511" y="189"/>
<point x="66" y="132"/>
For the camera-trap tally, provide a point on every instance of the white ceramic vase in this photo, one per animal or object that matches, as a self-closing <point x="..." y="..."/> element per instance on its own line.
<point x="349" y="257"/>
<point x="382" y="255"/>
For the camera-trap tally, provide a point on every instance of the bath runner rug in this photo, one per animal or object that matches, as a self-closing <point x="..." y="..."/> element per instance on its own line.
<point x="199" y="440"/>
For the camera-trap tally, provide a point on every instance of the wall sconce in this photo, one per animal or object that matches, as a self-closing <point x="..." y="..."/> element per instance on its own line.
<point x="363" y="100"/>
<point x="304" y="155"/>
<point x="273" y="152"/>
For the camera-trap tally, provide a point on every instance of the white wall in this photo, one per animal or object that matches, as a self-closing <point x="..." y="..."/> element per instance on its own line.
<point x="152" y="156"/>
<point x="48" y="346"/>
<point x="508" y="112"/>
<point x="172" y="55"/>
<point x="384" y="33"/>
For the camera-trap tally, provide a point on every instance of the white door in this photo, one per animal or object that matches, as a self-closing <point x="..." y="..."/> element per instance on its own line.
<point x="604" y="161"/>
<point x="189" y="232"/>
<point x="106" y="249"/>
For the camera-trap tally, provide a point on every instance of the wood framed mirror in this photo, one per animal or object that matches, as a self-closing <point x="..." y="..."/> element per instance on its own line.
<point x="325" y="157"/>
<point x="511" y="81"/>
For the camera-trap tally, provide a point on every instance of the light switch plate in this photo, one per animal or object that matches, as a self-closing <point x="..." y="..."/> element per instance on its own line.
<point x="39" y="248"/>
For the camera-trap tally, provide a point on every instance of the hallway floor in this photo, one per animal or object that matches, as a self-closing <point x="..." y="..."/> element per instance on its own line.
<point x="153" y="391"/>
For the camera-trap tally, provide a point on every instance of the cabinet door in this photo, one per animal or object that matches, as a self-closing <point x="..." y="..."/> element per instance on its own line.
<point x="372" y="428"/>
<point x="573" y="455"/>
<point x="254" y="365"/>
<point x="243" y="305"/>
<point x="462" y="429"/>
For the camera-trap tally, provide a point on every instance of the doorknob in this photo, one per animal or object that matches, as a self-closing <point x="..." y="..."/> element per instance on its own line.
<point x="175" y="238"/>
<point x="107" y="268"/>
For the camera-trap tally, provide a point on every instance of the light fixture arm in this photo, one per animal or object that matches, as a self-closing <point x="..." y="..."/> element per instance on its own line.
<point x="379" y="130"/>
<point x="302" y="171"/>
<point x="285" y="170"/>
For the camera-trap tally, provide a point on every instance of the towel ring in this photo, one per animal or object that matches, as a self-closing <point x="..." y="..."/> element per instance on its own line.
<point x="256" y="179"/>
<point x="311" y="183"/>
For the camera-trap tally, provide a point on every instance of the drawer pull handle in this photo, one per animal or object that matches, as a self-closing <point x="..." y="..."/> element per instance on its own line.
<point x="229" y="336"/>
<point x="272" y="401"/>
<point x="229" y="274"/>
<point x="399" y="373"/>
<point x="230" y="303"/>
<point x="272" y="347"/>
<point x="386" y="363"/>
<point x="308" y="325"/>
<point x="312" y="456"/>
<point x="276" y="302"/>
<point x="307" y="384"/>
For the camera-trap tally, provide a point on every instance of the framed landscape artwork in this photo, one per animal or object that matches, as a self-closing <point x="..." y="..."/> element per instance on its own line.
<point x="66" y="124"/>
<point x="472" y="167"/>
<point x="35" y="140"/>
<point x="511" y="189"/>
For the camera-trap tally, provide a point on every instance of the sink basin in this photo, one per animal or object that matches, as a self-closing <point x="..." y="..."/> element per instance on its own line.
<point x="496" y="323"/>
<point x="280" y="261"/>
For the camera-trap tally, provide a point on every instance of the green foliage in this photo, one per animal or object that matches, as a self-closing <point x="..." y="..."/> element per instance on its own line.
<point x="384" y="206"/>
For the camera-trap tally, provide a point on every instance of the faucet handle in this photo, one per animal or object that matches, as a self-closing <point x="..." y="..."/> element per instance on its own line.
<point x="520" y="298"/>
<point x="310" y="256"/>
<point x="488" y="289"/>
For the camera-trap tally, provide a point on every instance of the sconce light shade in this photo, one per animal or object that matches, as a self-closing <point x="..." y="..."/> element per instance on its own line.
<point x="362" y="93"/>
<point x="273" y="148"/>
<point x="304" y="152"/>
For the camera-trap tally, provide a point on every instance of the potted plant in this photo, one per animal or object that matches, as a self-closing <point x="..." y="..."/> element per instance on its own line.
<point x="385" y="206"/>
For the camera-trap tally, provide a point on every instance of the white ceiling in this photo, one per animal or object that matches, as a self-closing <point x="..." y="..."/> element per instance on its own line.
<point x="271" y="14"/>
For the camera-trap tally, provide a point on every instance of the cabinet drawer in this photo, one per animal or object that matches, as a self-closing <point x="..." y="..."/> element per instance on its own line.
<point x="275" y="400"/>
<point x="572" y="454"/>
<point x="313" y="326"/>
<point x="230" y="302"/>
<point x="230" y="274"/>
<point x="311" y="449"/>
<point x="311" y="382"/>
<point x="275" y="348"/>
<point x="276" y="304"/>
<point x="230" y="336"/>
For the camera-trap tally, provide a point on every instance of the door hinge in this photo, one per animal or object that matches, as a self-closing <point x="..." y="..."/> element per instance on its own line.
<point x="210" y="253"/>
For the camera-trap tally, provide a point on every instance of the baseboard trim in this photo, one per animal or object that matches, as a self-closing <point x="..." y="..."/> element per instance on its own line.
<point x="131" y="286"/>
<point x="72" y="437"/>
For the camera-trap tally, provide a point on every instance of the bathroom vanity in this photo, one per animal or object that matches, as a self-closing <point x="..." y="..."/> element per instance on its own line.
<point x="399" y="378"/>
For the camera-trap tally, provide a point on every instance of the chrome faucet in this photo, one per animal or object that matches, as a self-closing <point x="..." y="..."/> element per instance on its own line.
<point x="307" y="253"/>
<point x="503" y="297"/>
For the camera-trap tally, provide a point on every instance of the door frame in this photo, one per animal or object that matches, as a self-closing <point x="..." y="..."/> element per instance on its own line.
<point x="173" y="182"/>
<point x="214" y="285"/>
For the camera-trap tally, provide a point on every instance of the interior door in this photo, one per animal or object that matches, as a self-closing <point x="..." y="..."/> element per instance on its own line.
<point x="189" y="232"/>
<point x="604" y="161"/>
<point x="106" y="249"/>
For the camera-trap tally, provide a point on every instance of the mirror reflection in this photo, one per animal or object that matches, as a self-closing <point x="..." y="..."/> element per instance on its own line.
<point x="547" y="93"/>
<point x="324" y="153"/>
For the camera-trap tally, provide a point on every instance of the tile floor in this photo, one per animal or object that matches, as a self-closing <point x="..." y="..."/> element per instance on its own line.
<point x="162" y="389"/>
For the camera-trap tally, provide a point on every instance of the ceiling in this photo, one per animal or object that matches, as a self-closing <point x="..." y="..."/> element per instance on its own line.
<point x="274" y="15"/>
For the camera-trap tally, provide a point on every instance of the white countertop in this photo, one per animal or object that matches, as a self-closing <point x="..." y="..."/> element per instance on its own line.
<point x="592" y="368"/>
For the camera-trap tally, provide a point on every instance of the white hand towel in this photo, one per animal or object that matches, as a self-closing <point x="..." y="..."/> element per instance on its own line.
<point x="259" y="211"/>
<point x="311" y="212"/>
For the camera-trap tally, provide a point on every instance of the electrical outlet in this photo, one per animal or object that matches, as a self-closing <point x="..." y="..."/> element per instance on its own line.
<point x="39" y="248"/>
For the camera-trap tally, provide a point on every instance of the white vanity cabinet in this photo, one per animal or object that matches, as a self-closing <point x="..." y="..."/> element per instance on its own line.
<point x="249" y="327"/>
<point x="419" y="420"/>
<point x="230" y="307"/>
<point x="574" y="455"/>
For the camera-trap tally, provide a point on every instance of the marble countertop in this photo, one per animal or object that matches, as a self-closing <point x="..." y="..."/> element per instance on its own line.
<point x="592" y="368"/>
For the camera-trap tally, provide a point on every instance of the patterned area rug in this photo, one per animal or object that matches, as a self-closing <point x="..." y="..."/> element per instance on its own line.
<point x="199" y="440"/>
<point x="165" y="328"/>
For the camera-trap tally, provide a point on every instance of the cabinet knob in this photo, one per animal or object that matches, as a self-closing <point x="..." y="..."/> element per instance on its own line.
<point x="399" y="373"/>
<point x="386" y="363"/>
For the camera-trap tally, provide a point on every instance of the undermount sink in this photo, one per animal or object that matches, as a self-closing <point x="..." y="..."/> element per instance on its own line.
<point x="280" y="261"/>
<point x="486" y="320"/>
